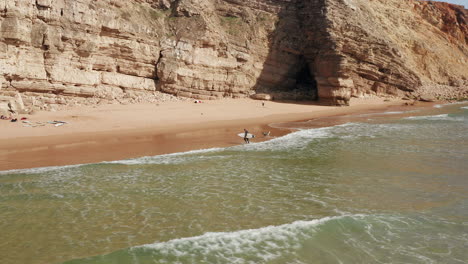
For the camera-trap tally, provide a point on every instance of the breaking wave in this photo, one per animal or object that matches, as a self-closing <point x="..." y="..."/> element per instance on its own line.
<point x="370" y="237"/>
<point x="266" y="243"/>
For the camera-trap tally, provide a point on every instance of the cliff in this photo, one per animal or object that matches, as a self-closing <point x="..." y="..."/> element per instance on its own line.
<point x="62" y="52"/>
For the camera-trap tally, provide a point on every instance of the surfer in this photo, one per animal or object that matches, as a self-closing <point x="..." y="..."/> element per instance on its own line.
<point x="246" y="139"/>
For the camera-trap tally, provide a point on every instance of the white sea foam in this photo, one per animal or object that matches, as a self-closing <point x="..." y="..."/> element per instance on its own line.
<point x="355" y="130"/>
<point x="447" y="104"/>
<point x="399" y="112"/>
<point x="434" y="117"/>
<point x="266" y="243"/>
<point x="180" y="157"/>
<point x="347" y="131"/>
<point x="445" y="117"/>
<point x="464" y="107"/>
<point x="173" y="158"/>
<point x="293" y="140"/>
<point x="40" y="169"/>
<point x="388" y="113"/>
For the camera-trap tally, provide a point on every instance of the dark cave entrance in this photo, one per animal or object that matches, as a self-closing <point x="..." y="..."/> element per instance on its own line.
<point x="306" y="84"/>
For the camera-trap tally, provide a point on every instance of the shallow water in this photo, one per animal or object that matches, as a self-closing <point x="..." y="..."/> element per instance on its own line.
<point x="392" y="189"/>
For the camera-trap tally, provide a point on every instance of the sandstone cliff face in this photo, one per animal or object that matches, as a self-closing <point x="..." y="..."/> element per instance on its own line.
<point x="56" y="52"/>
<point x="385" y="47"/>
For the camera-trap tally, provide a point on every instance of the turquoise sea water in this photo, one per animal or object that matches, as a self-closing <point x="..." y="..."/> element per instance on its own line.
<point x="392" y="189"/>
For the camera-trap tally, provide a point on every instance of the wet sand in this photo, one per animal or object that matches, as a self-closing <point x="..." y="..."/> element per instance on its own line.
<point x="114" y="132"/>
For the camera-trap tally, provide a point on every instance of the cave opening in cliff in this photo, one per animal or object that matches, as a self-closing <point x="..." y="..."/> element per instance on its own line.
<point x="306" y="83"/>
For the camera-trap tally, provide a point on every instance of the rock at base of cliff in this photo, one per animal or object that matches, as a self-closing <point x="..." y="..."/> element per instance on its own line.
<point x="10" y="105"/>
<point x="261" y="96"/>
<point x="427" y="98"/>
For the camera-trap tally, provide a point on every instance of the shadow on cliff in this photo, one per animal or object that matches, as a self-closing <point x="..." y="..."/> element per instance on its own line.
<point x="288" y="74"/>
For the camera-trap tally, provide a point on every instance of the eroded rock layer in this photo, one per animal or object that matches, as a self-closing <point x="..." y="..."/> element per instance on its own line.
<point x="55" y="52"/>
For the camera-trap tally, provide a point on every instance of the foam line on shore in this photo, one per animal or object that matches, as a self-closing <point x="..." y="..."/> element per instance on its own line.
<point x="292" y="140"/>
<point x="388" y="113"/>
<point x="163" y="159"/>
<point x="444" y="117"/>
<point x="40" y="169"/>
<point x="448" y="104"/>
<point x="283" y="142"/>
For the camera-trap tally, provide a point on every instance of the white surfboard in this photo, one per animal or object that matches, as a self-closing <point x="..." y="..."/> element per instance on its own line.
<point x="248" y="135"/>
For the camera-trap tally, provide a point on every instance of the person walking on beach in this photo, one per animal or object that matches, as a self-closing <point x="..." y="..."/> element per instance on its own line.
<point x="246" y="139"/>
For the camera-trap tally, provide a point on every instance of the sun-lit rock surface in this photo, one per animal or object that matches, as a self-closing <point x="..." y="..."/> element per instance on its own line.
<point x="60" y="52"/>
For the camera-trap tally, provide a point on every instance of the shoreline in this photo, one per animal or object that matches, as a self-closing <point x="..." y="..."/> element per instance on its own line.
<point x="117" y="132"/>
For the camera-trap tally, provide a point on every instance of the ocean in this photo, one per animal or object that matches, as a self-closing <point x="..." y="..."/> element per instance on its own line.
<point x="392" y="188"/>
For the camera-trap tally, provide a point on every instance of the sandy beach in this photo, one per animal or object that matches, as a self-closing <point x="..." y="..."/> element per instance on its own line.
<point x="113" y="132"/>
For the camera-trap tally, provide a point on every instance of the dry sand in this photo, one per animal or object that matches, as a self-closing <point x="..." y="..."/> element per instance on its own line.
<point x="113" y="132"/>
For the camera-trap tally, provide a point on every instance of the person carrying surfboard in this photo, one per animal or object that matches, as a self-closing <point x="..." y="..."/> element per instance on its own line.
<point x="246" y="139"/>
